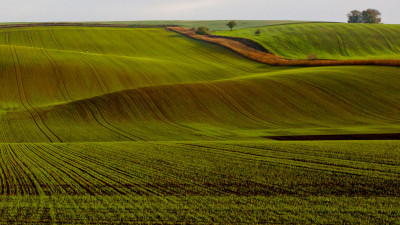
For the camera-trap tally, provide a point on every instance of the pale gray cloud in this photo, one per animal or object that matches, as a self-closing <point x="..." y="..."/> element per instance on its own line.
<point x="129" y="10"/>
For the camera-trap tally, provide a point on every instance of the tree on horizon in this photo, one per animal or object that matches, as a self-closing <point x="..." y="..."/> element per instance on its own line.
<point x="231" y="24"/>
<point x="366" y="16"/>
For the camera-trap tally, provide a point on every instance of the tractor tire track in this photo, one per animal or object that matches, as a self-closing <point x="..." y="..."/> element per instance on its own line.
<point x="50" y="135"/>
<point x="27" y="174"/>
<point x="99" y="79"/>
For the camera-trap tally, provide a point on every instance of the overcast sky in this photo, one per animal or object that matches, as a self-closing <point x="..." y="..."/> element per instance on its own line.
<point x="131" y="10"/>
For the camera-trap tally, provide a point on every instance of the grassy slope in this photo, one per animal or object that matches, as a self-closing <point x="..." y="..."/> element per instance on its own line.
<point x="328" y="41"/>
<point x="150" y="84"/>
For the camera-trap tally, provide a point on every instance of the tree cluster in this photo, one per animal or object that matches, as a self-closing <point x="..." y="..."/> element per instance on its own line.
<point x="366" y="16"/>
<point x="202" y="30"/>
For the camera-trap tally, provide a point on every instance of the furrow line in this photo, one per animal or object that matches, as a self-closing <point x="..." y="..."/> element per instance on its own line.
<point x="91" y="43"/>
<point x="144" y="168"/>
<point x="18" y="184"/>
<point x="126" y="134"/>
<point x="239" y="156"/>
<point x="74" y="176"/>
<point x="42" y="172"/>
<point x="101" y="120"/>
<point x="344" y="99"/>
<point x="309" y="165"/>
<point x="55" y="68"/>
<point x="94" y="175"/>
<point x="99" y="79"/>
<point x="33" y="188"/>
<point x="57" y="72"/>
<point x="114" y="168"/>
<point x="237" y="106"/>
<point x="156" y="111"/>
<point x="5" y="174"/>
<point x="338" y="162"/>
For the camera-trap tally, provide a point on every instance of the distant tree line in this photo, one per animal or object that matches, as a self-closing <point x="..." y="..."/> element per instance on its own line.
<point x="366" y="16"/>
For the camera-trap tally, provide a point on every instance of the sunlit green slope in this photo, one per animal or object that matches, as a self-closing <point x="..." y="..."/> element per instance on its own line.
<point x="327" y="41"/>
<point x="152" y="84"/>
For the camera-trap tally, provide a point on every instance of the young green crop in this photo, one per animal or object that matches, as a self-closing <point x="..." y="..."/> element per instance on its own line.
<point x="202" y="168"/>
<point x="197" y="209"/>
<point x="170" y="182"/>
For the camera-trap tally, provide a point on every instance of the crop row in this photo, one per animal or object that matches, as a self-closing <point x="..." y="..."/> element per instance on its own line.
<point x="191" y="168"/>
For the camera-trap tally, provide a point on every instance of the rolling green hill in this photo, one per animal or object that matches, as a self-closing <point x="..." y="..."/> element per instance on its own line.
<point x="327" y="41"/>
<point x="152" y="84"/>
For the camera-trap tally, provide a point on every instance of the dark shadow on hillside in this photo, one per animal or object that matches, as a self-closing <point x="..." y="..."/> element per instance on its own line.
<point x="338" y="137"/>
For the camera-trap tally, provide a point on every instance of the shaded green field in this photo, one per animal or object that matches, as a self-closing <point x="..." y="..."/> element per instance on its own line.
<point x="327" y="41"/>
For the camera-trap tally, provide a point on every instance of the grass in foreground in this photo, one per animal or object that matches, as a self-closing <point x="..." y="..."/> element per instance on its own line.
<point x="171" y="182"/>
<point x="198" y="209"/>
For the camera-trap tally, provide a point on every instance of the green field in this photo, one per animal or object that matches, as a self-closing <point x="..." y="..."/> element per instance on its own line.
<point x="327" y="41"/>
<point x="108" y="125"/>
